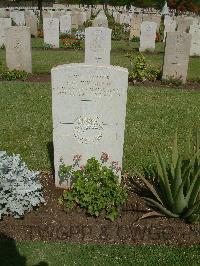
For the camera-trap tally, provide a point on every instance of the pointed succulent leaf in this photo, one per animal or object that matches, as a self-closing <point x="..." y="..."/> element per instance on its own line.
<point x="165" y="179"/>
<point x="161" y="208"/>
<point x="151" y="188"/>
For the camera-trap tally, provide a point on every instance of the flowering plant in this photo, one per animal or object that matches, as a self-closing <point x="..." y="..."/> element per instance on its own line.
<point x="95" y="186"/>
<point x="64" y="35"/>
<point x="71" y="42"/>
<point x="80" y="35"/>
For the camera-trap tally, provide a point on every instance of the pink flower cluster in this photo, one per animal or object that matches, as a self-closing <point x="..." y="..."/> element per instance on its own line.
<point x="76" y="160"/>
<point x="115" y="166"/>
<point x="104" y="158"/>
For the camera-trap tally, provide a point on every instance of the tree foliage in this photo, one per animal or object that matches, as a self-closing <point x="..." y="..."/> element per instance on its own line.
<point x="179" y="5"/>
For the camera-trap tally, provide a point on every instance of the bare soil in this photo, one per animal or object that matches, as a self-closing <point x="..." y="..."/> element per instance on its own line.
<point x="51" y="223"/>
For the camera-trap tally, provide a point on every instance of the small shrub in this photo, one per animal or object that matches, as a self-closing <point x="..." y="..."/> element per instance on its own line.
<point x="2" y="47"/>
<point x="135" y="39"/>
<point x="141" y="70"/>
<point x="95" y="187"/>
<point x="118" y="32"/>
<point x="172" y="81"/>
<point x="20" y="190"/>
<point x="40" y="33"/>
<point x="87" y="23"/>
<point x="176" y="185"/>
<point x="47" y="46"/>
<point x="111" y="21"/>
<point x="13" y="75"/>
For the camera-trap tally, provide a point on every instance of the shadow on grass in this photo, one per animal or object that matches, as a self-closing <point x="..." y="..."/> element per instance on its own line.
<point x="9" y="254"/>
<point x="51" y="154"/>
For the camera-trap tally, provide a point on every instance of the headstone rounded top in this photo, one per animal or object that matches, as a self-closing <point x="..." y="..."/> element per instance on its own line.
<point x="83" y="65"/>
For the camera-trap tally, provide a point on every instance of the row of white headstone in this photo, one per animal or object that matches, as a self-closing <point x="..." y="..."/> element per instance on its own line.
<point x="147" y="30"/>
<point x="98" y="47"/>
<point x="18" y="47"/>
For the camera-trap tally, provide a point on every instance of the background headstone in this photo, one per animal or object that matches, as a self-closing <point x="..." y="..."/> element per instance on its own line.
<point x="32" y="23"/>
<point x="97" y="45"/>
<point x="136" y="22"/>
<point x="176" y="58"/>
<point x="5" y="23"/>
<point x="75" y="18"/>
<point x="100" y="21"/>
<point x="65" y="24"/>
<point x="169" y="25"/>
<point x="51" y="31"/>
<point x="18" y="48"/>
<point x="183" y="24"/>
<point x="195" y="43"/>
<point x="147" y="36"/>
<point x="18" y="17"/>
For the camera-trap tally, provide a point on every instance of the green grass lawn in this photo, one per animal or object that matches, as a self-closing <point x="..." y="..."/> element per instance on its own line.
<point x="57" y="254"/>
<point x="153" y="114"/>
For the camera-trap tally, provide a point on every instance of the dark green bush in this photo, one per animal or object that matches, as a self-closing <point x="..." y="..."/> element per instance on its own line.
<point x="13" y="75"/>
<point x="141" y="70"/>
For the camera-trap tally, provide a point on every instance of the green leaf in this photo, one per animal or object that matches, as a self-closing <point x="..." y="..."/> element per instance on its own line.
<point x="191" y="210"/>
<point x="150" y="187"/>
<point x="175" y="154"/>
<point x="162" y="208"/>
<point x="112" y="215"/>
<point x="177" y="177"/>
<point x="150" y="214"/>
<point x="162" y="165"/>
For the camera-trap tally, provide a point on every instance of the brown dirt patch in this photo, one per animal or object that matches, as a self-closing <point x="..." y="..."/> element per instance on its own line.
<point x="50" y="223"/>
<point x="190" y="85"/>
<point x="39" y="78"/>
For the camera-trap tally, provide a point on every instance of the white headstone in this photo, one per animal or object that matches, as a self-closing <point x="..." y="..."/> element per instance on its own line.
<point x="75" y="18"/>
<point x="89" y="109"/>
<point x="46" y="14"/>
<point x="81" y="18"/>
<point x="32" y="23"/>
<point x="5" y="23"/>
<point x="51" y="31"/>
<point x="100" y="21"/>
<point x="18" y="48"/>
<point x="183" y="24"/>
<point x="147" y="36"/>
<point x="88" y="14"/>
<point x="65" y="24"/>
<point x="97" y="45"/>
<point x="195" y="44"/>
<point x="176" y="58"/>
<point x="18" y="17"/>
<point x="136" y="22"/>
<point x="169" y="24"/>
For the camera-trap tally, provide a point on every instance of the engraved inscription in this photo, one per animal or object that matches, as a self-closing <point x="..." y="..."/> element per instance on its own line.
<point x="96" y="86"/>
<point x="18" y="45"/>
<point x="88" y="130"/>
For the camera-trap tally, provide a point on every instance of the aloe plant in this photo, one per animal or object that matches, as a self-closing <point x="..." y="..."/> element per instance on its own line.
<point x="176" y="185"/>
